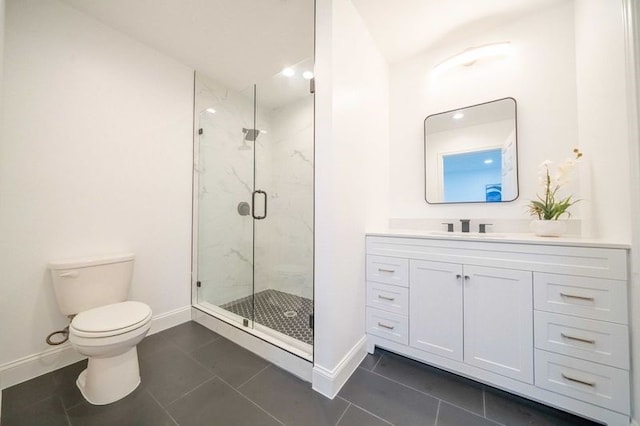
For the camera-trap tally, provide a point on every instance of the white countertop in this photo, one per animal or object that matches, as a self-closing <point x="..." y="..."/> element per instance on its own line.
<point x="498" y="237"/>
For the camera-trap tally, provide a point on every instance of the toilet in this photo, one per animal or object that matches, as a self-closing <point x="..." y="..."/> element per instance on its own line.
<point x="106" y="327"/>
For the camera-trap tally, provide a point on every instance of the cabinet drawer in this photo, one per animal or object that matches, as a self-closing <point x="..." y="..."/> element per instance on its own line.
<point x="597" y="341"/>
<point x="388" y="325"/>
<point x="596" y="384"/>
<point x="594" y="298"/>
<point x="387" y="297"/>
<point x="389" y="270"/>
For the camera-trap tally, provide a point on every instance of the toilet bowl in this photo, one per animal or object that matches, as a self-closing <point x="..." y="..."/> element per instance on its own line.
<point x="108" y="335"/>
<point x="105" y="327"/>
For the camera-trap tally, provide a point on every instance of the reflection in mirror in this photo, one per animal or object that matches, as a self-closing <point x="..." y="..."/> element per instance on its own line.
<point x="471" y="154"/>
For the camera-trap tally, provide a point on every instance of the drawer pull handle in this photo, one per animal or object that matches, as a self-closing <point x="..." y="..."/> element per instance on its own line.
<point x="573" y="379"/>
<point x="579" y="339"/>
<point x="389" y="327"/>
<point x="386" y="270"/>
<point x="573" y="296"/>
<point x="391" y="299"/>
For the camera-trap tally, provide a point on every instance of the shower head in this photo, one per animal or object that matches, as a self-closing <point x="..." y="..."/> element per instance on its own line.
<point x="250" y="134"/>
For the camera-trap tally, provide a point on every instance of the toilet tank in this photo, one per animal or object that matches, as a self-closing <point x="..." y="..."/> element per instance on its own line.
<point x="82" y="284"/>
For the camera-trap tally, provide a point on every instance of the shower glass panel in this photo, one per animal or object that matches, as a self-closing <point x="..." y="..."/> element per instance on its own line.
<point x="223" y="184"/>
<point x="253" y="179"/>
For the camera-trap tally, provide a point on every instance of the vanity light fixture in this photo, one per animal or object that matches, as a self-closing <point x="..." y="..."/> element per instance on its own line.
<point x="458" y="115"/>
<point x="469" y="56"/>
<point x="307" y="75"/>
<point x="288" y="72"/>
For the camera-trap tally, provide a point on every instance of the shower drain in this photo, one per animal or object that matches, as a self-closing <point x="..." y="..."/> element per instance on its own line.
<point x="290" y="314"/>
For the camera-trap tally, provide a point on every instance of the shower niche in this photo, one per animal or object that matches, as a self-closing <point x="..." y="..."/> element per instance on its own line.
<point x="253" y="206"/>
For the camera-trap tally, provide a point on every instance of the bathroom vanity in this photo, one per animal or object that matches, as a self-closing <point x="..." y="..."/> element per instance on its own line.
<point x="546" y="319"/>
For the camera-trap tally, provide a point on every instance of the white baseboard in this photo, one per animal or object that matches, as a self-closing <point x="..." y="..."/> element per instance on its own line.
<point x="328" y="382"/>
<point x="271" y="352"/>
<point x="51" y="359"/>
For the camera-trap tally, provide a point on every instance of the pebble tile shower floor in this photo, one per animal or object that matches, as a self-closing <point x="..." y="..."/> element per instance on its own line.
<point x="280" y="311"/>
<point x="192" y="376"/>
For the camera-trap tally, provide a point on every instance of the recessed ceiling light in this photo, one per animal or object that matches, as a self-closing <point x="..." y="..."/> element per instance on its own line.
<point x="263" y="131"/>
<point x="458" y="116"/>
<point x="488" y="161"/>
<point x="211" y="110"/>
<point x="307" y="75"/>
<point x="288" y="72"/>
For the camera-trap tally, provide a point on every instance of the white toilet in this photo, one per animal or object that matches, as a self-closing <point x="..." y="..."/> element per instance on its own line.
<point x="106" y="327"/>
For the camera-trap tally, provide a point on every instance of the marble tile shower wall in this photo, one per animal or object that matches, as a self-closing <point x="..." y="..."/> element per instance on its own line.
<point x="284" y="157"/>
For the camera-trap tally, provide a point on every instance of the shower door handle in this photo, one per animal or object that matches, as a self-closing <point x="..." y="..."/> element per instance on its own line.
<point x="253" y="204"/>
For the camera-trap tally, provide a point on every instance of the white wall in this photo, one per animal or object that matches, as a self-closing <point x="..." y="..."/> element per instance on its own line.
<point x="540" y="75"/>
<point x="95" y="158"/>
<point x="351" y="176"/>
<point x="602" y="116"/>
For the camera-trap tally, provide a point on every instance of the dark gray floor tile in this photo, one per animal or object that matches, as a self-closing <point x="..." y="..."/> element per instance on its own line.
<point x="389" y="400"/>
<point x="189" y="336"/>
<point x="138" y="408"/>
<point x="291" y="400"/>
<point x="357" y="417"/>
<point x="169" y="374"/>
<point x="370" y="360"/>
<point x="216" y="403"/>
<point x="24" y="394"/>
<point x="512" y="410"/>
<point x="441" y="384"/>
<point x="66" y="387"/>
<point x="151" y="345"/>
<point x="230" y="362"/>
<point x="450" y="415"/>
<point x="48" y="412"/>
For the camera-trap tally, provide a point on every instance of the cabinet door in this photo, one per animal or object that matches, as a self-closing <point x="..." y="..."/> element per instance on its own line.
<point x="435" y="308"/>
<point x="498" y="321"/>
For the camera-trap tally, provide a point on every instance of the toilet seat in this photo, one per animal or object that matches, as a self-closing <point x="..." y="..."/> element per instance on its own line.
<point x="110" y="320"/>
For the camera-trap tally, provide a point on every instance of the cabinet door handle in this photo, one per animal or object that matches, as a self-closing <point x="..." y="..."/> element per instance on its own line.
<point x="458" y="276"/>
<point x="573" y="296"/>
<point x="579" y="339"/>
<point x="386" y="270"/>
<point x="390" y="327"/>
<point x="573" y="379"/>
<point x="391" y="299"/>
<point x="467" y="277"/>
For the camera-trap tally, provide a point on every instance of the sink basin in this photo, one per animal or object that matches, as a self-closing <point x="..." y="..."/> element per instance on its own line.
<point x="467" y="234"/>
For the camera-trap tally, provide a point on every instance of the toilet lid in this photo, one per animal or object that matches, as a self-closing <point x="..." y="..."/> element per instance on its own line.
<point x="111" y="318"/>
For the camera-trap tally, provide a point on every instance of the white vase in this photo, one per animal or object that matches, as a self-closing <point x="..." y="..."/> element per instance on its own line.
<point x="548" y="228"/>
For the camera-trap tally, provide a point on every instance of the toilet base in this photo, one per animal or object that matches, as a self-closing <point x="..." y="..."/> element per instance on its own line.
<point x="107" y="380"/>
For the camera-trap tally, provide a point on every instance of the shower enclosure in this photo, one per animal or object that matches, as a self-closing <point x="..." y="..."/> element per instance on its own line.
<point x="253" y="206"/>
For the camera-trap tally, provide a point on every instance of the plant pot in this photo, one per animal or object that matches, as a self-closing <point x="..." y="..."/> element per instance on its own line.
<point x="548" y="228"/>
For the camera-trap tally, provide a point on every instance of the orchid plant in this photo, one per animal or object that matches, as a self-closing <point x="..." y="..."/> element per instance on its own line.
<point x="549" y="206"/>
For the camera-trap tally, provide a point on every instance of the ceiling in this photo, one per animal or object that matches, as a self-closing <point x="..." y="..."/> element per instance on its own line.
<point x="411" y="26"/>
<point x="240" y="42"/>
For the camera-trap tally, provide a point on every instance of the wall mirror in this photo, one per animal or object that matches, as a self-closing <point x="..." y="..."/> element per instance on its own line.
<point x="471" y="154"/>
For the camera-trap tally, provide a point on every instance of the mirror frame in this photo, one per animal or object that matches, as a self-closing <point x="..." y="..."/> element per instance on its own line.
<point x="424" y="156"/>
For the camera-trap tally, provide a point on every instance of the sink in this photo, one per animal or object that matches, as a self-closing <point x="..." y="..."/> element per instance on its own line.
<point x="474" y="235"/>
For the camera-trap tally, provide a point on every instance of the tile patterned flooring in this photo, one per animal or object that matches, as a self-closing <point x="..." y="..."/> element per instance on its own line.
<point x="192" y="376"/>
<point x="280" y="311"/>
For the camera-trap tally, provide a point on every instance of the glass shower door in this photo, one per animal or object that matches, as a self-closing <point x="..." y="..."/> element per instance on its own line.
<point x="283" y="237"/>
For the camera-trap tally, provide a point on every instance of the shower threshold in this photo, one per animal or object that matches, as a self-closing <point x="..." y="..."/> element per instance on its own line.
<point x="276" y="338"/>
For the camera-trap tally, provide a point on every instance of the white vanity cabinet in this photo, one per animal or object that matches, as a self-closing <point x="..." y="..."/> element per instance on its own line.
<point x="547" y="321"/>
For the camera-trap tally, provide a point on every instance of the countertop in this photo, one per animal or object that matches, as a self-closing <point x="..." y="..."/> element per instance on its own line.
<point x="497" y="237"/>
